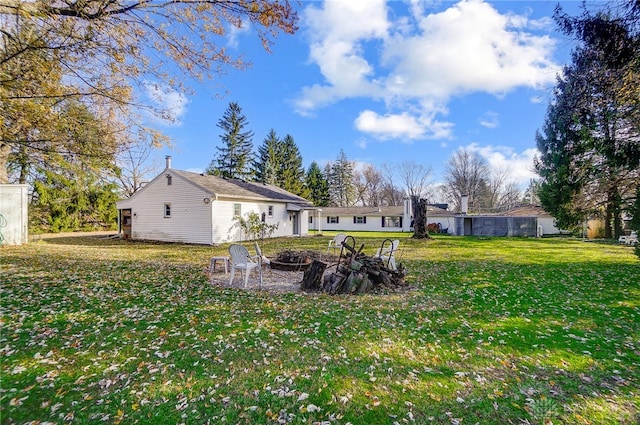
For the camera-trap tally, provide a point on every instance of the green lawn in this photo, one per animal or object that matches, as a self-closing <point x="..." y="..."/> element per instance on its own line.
<point x="498" y="331"/>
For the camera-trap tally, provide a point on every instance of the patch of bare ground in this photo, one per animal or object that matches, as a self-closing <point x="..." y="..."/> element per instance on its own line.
<point x="272" y="280"/>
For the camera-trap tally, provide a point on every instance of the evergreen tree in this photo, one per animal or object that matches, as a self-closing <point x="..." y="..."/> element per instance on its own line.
<point x="291" y="175"/>
<point x="342" y="190"/>
<point x="317" y="186"/>
<point x="267" y="165"/>
<point x="235" y="156"/>
<point x="587" y="165"/>
<point x="73" y="188"/>
<point x="72" y="199"/>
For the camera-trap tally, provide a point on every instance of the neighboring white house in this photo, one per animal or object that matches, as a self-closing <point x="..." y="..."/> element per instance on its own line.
<point x="527" y="220"/>
<point x="379" y="219"/>
<point x="181" y="206"/>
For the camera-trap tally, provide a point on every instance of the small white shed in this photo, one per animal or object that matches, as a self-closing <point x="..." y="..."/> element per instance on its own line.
<point x="14" y="215"/>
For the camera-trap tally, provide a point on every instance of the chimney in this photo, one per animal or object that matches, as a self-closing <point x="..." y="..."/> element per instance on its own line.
<point x="168" y="160"/>
<point x="464" y="204"/>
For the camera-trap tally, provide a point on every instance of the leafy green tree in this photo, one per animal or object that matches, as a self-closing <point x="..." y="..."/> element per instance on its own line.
<point x="111" y="54"/>
<point x="317" y="186"/>
<point x="254" y="228"/>
<point x="235" y="156"/>
<point x="280" y="163"/>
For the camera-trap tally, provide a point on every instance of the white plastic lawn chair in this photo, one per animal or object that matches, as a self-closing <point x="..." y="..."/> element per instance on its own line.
<point x="387" y="254"/>
<point x="241" y="260"/>
<point x="336" y="242"/>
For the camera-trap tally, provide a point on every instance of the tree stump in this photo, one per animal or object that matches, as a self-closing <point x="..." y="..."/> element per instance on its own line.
<point x="420" y="230"/>
<point x="312" y="278"/>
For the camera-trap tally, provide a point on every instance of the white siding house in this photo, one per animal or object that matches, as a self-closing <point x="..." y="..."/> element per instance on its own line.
<point x="379" y="219"/>
<point x="181" y="206"/>
<point x="527" y="220"/>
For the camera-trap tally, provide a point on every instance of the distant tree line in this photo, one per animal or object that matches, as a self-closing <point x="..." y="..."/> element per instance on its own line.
<point x="342" y="183"/>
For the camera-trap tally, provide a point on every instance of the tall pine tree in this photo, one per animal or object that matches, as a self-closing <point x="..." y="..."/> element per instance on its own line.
<point x="291" y="170"/>
<point x="317" y="186"/>
<point x="266" y="166"/>
<point x="588" y="147"/>
<point x="236" y="153"/>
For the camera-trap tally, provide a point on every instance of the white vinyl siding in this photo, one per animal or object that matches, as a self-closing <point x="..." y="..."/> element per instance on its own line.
<point x="190" y="217"/>
<point x="198" y="216"/>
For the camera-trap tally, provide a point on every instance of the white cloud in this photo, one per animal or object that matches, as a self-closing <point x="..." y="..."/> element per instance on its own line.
<point x="171" y="105"/>
<point x="519" y="165"/>
<point x="490" y="120"/>
<point x="396" y="126"/>
<point x="469" y="47"/>
<point x="423" y="59"/>
<point x="405" y="126"/>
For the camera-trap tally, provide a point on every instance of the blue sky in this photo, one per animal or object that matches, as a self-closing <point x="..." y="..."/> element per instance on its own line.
<point x="388" y="82"/>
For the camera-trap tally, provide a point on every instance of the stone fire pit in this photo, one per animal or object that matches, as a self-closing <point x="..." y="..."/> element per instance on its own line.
<point x="291" y="261"/>
<point x="294" y="260"/>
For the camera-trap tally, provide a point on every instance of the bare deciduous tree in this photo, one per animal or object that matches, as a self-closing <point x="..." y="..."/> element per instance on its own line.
<point x="415" y="178"/>
<point x="368" y="183"/>
<point x="465" y="174"/>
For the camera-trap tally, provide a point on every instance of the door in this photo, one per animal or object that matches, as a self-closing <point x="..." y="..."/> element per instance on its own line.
<point x="126" y="224"/>
<point x="295" y="217"/>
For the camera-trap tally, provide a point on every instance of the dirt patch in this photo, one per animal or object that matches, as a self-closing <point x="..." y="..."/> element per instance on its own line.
<point x="272" y="280"/>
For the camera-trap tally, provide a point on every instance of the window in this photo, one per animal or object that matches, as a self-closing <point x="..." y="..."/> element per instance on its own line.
<point x="360" y="220"/>
<point x="237" y="210"/>
<point x="310" y="219"/>
<point x="332" y="220"/>
<point x="270" y="211"/>
<point x="391" y="222"/>
<point x="168" y="179"/>
<point x="167" y="210"/>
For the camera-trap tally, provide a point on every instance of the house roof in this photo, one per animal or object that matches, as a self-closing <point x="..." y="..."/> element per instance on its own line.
<point x="376" y="211"/>
<point x="236" y="188"/>
<point x="526" y="211"/>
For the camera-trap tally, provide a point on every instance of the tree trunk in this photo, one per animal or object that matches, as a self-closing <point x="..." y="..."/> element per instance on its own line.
<point x="420" y="218"/>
